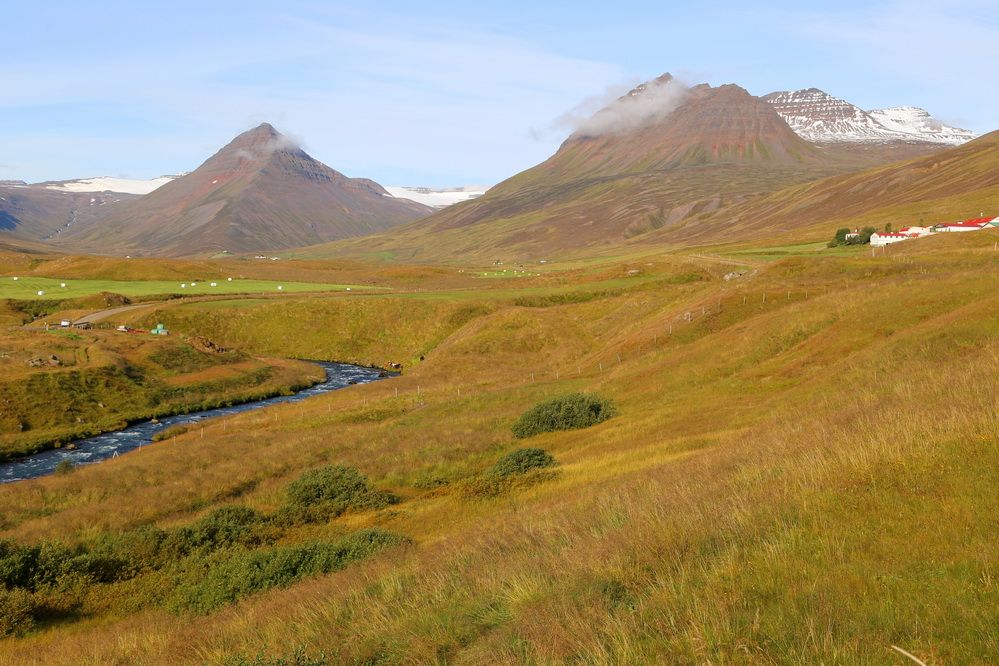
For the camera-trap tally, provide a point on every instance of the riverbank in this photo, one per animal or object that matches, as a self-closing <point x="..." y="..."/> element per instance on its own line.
<point x="59" y="386"/>
<point x="111" y="444"/>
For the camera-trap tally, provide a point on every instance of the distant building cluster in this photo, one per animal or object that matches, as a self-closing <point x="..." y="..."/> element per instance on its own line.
<point x="880" y="239"/>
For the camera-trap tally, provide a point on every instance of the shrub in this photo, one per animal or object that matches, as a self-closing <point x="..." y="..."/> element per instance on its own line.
<point x="568" y="412"/>
<point x="326" y="492"/>
<point x="227" y="526"/>
<point x="139" y="549"/>
<point x="223" y="527"/>
<point x="64" y="466"/>
<point x="522" y="461"/>
<point x="17" y="609"/>
<point x="214" y="582"/>
<point x="17" y="564"/>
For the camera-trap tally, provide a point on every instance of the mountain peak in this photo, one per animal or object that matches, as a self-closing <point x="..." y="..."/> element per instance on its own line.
<point x="817" y="116"/>
<point x="259" y="192"/>
<point x="264" y="130"/>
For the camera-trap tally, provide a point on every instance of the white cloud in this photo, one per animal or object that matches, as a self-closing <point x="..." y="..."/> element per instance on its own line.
<point x="373" y="96"/>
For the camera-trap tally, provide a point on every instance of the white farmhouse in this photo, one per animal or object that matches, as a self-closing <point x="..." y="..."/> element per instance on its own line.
<point x="882" y="239"/>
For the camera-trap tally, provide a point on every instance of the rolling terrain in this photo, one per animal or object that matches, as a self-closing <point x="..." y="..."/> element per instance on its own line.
<point x="955" y="184"/>
<point x="787" y="476"/>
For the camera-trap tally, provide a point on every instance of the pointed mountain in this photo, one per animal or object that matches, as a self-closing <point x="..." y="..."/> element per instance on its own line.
<point x="653" y="158"/>
<point x="260" y="192"/>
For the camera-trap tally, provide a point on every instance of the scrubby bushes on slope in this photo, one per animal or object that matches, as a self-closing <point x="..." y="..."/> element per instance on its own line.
<point x="326" y="492"/>
<point x="522" y="461"/>
<point x="204" y="565"/>
<point x="568" y="412"/>
<point x="213" y="582"/>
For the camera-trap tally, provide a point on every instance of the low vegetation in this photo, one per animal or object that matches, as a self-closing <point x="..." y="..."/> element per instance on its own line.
<point x="522" y="461"/>
<point x="788" y="479"/>
<point x="327" y="492"/>
<point x="844" y="236"/>
<point x="226" y="554"/>
<point x="568" y="412"/>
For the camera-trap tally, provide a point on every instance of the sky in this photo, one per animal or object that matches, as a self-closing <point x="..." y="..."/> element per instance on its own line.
<point x="440" y="93"/>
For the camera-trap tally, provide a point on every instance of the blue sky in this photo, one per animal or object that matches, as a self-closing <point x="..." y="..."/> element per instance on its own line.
<point x="437" y="92"/>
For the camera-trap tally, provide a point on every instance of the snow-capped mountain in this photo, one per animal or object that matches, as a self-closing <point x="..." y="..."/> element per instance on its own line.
<point x="438" y="197"/>
<point x="917" y="122"/>
<point x="110" y="184"/>
<point x="821" y="118"/>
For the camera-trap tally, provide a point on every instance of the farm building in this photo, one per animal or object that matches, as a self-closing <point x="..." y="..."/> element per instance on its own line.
<point x="976" y="224"/>
<point x="906" y="233"/>
<point x="882" y="239"/>
<point x="918" y="231"/>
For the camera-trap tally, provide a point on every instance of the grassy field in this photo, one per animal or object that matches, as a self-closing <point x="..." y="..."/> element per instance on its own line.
<point x="801" y="468"/>
<point x="28" y="288"/>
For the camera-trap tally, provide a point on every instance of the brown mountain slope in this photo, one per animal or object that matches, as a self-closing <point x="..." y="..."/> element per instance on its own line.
<point x="951" y="184"/>
<point x="260" y="192"/>
<point x="658" y="156"/>
<point x="36" y="213"/>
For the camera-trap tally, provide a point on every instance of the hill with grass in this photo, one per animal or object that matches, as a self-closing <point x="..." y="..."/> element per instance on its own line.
<point x="260" y="192"/>
<point x="632" y="460"/>
<point x="958" y="183"/>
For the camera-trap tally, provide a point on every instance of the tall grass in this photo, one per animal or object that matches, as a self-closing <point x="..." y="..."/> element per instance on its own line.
<point x="787" y="481"/>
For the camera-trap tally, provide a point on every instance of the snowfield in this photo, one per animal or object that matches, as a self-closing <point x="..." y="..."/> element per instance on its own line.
<point x="438" y="198"/>
<point x="107" y="183"/>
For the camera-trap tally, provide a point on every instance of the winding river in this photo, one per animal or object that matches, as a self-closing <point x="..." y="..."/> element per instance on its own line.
<point x="109" y="445"/>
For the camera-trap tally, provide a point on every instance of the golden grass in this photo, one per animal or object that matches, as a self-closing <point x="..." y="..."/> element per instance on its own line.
<point x="802" y="472"/>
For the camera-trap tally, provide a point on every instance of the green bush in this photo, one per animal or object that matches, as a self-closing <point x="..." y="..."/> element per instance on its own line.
<point x="226" y="526"/>
<point x="522" y="461"/>
<point x="215" y="581"/>
<point x="568" y="412"/>
<point x="326" y="492"/>
<point x="17" y="609"/>
<point x="64" y="466"/>
<point x="52" y="565"/>
<point x="17" y="564"/>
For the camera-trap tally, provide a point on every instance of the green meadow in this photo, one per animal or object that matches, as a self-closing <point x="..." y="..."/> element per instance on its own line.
<point x="28" y="288"/>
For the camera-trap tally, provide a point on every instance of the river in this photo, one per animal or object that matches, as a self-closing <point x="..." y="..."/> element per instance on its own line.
<point x="109" y="445"/>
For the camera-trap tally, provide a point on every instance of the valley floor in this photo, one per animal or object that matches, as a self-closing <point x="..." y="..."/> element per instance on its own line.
<point x="802" y="469"/>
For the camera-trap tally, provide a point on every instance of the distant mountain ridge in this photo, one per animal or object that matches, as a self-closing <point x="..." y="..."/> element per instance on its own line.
<point x="819" y="117"/>
<point x="259" y="192"/>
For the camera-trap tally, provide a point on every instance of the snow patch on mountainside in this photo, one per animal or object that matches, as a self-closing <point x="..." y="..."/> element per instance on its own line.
<point x="918" y="122"/>
<point x="821" y="118"/>
<point x="439" y="197"/>
<point x="818" y="116"/>
<point x="110" y="184"/>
